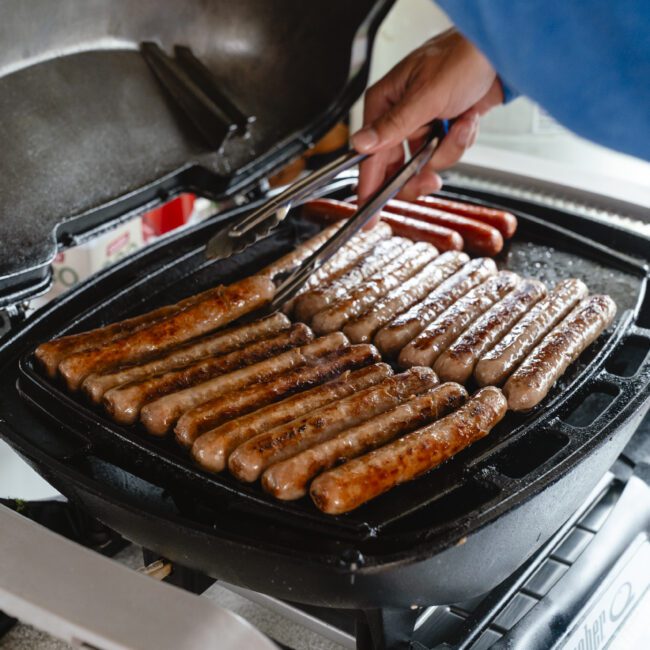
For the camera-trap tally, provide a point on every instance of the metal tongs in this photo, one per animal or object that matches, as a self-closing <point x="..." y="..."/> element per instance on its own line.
<point x="261" y="222"/>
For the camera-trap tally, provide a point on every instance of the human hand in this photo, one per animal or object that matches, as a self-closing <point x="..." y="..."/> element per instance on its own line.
<point x="445" y="78"/>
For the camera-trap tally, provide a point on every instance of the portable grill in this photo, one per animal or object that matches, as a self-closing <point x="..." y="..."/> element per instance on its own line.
<point x="446" y="537"/>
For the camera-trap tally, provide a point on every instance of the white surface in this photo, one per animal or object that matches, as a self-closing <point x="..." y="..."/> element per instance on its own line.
<point x="18" y="480"/>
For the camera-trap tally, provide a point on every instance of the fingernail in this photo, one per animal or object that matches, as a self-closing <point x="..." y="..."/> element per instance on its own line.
<point x="365" y="139"/>
<point x="463" y="135"/>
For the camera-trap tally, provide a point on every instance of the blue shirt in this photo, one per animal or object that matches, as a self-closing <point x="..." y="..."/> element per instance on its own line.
<point x="586" y="62"/>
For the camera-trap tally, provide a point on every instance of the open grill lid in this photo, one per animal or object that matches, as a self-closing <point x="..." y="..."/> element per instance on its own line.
<point x="105" y="110"/>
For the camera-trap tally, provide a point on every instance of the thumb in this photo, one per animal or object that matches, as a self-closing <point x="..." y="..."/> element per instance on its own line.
<point x="395" y="125"/>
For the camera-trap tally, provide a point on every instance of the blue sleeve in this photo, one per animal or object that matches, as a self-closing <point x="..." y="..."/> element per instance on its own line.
<point x="586" y="62"/>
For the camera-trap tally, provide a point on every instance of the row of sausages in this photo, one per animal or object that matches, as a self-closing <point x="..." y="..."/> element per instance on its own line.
<point x="464" y="318"/>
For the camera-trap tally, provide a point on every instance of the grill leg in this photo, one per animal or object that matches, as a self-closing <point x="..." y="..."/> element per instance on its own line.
<point x="385" y="629"/>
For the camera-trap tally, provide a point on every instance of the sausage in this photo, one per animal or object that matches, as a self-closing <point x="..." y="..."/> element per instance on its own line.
<point x="161" y="414"/>
<point x="224" y="341"/>
<point x="458" y="361"/>
<point x="496" y="365"/>
<point x="368" y="292"/>
<point x="124" y="403"/>
<point x="479" y="238"/>
<point x="222" y="307"/>
<point x="300" y="253"/>
<point x="235" y="404"/>
<point x="288" y="479"/>
<point x="444" y="239"/>
<point x="400" y="299"/>
<point x="319" y="298"/>
<point x="344" y="488"/>
<point x="391" y="338"/>
<point x="344" y="259"/>
<point x="531" y="382"/>
<point x="51" y="353"/>
<point x="211" y="449"/>
<point x="504" y="222"/>
<point x="425" y="348"/>
<point x="250" y="459"/>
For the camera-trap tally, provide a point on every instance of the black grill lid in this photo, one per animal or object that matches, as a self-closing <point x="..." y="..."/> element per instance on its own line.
<point x="88" y="131"/>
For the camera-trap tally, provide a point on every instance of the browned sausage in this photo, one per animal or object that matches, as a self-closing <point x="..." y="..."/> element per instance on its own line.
<point x="250" y="459"/>
<point x="344" y="488"/>
<point x="321" y="297"/>
<point x="444" y="239"/>
<point x="504" y="222"/>
<point x="531" y="382"/>
<point x="479" y="238"/>
<point x="368" y="292"/>
<point x="496" y="365"/>
<point x="234" y="404"/>
<point x="425" y="348"/>
<point x="50" y="354"/>
<point x="222" y="342"/>
<point x="288" y="479"/>
<point x="160" y="415"/>
<point x="124" y="403"/>
<point x="212" y="449"/>
<point x="400" y="299"/>
<point x="221" y="308"/>
<point x="393" y="337"/>
<point x="458" y="361"/>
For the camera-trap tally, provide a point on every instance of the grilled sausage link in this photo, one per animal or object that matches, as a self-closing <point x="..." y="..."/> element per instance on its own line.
<point x="124" y="403"/>
<point x="160" y="415"/>
<point x="212" y="449"/>
<point x="221" y="308"/>
<point x="319" y="298"/>
<point x="496" y="365"/>
<point x="425" y="348"/>
<point x="234" y="404"/>
<point x="531" y="382"/>
<point x="400" y="299"/>
<point x="222" y="342"/>
<point x="300" y="253"/>
<point x="249" y="460"/>
<point x="504" y="222"/>
<point x="359" y="480"/>
<point x="457" y="362"/>
<point x="479" y="238"/>
<point x="378" y="285"/>
<point x="288" y="479"/>
<point x="51" y="353"/>
<point x="391" y="338"/>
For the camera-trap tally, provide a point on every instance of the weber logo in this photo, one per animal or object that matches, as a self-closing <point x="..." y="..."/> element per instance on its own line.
<point x="613" y="607"/>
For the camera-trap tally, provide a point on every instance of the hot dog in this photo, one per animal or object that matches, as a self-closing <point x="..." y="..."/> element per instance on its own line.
<point x="496" y="365"/>
<point x="458" y="361"/>
<point x="400" y="299"/>
<point x="504" y="222"/>
<point x="444" y="239"/>
<point x="288" y="479"/>
<point x="212" y="449"/>
<point x="425" y="348"/>
<point x="222" y="342"/>
<point x="531" y="382"/>
<point x="378" y="285"/>
<point x="124" y="403"/>
<point x="160" y="415"/>
<point x="234" y="404"/>
<point x="391" y="338"/>
<point x="250" y="459"/>
<point x="221" y="308"/>
<point x="344" y="488"/>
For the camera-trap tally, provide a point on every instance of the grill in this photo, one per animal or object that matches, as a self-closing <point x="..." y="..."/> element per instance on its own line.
<point x="422" y="543"/>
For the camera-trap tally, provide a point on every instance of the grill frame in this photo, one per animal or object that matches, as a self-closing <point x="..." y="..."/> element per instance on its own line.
<point x="320" y="562"/>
